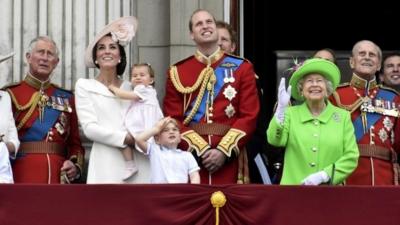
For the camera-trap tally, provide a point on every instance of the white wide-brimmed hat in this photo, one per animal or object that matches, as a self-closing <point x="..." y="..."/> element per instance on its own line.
<point x="122" y="30"/>
<point x="5" y="57"/>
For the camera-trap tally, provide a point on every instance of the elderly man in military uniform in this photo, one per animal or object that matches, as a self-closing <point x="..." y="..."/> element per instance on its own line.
<point x="375" y="115"/>
<point x="51" y="150"/>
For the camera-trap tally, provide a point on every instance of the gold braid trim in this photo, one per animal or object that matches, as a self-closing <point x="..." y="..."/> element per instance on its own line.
<point x="178" y="85"/>
<point x="351" y="108"/>
<point x="32" y="104"/>
<point x="195" y="142"/>
<point x="229" y="142"/>
<point x="204" y="78"/>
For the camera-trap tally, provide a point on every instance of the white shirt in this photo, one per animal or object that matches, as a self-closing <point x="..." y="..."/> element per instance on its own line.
<point x="170" y="165"/>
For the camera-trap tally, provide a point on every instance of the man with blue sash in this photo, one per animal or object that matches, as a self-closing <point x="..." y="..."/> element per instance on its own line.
<point x="51" y="150"/>
<point x="214" y="96"/>
<point x="375" y="116"/>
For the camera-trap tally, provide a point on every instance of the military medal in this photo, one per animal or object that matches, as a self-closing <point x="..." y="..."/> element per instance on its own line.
<point x="230" y="92"/>
<point x="231" y="78"/>
<point x="226" y="79"/>
<point x="230" y="110"/>
<point x="43" y="99"/>
<point x="366" y="106"/>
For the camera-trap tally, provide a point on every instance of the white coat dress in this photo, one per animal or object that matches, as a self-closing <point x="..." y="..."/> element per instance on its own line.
<point x="100" y="115"/>
<point x="9" y="133"/>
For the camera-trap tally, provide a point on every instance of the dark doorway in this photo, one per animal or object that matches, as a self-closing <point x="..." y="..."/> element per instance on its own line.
<point x="271" y="26"/>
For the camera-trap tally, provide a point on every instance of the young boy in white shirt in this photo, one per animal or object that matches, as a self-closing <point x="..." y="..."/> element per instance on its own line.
<point x="168" y="163"/>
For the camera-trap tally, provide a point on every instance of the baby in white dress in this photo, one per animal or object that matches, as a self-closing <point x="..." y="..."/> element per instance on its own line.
<point x="143" y="112"/>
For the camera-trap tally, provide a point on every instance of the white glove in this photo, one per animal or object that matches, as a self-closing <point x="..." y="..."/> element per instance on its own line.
<point x="283" y="100"/>
<point x="316" y="178"/>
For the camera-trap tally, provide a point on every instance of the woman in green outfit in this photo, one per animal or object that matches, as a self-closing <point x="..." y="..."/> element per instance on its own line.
<point x="319" y="141"/>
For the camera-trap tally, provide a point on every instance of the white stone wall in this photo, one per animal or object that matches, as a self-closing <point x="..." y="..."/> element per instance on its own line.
<point x="71" y="23"/>
<point x="162" y="39"/>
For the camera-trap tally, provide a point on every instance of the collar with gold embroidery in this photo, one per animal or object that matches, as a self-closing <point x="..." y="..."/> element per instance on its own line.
<point x="36" y="83"/>
<point x="210" y="59"/>
<point x="361" y="83"/>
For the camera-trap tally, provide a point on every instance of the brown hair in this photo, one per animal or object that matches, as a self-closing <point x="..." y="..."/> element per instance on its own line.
<point x="198" y="10"/>
<point x="229" y="28"/>
<point x="121" y="66"/>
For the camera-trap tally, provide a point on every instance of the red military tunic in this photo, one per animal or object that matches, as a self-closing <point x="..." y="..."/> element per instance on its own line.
<point x="45" y="143"/>
<point x="228" y="120"/>
<point x="378" y="133"/>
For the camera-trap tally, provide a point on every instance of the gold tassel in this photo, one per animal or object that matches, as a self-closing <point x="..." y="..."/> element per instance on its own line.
<point x="218" y="200"/>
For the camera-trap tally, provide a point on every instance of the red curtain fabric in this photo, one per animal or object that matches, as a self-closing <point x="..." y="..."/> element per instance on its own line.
<point x="190" y="204"/>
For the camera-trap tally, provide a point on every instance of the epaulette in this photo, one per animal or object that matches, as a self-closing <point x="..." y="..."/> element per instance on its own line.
<point x="61" y="88"/>
<point x="388" y="89"/>
<point x="183" y="60"/>
<point x="346" y="84"/>
<point x="11" y="85"/>
<point x="238" y="57"/>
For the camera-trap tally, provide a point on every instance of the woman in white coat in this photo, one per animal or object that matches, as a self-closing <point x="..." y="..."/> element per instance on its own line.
<point x="100" y="112"/>
<point x="9" y="142"/>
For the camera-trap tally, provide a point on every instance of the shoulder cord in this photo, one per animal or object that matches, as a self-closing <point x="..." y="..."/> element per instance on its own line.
<point x="204" y="79"/>
<point x="351" y="108"/>
<point x="32" y="104"/>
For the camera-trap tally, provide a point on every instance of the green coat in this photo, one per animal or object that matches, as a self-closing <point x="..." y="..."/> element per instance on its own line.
<point x="315" y="144"/>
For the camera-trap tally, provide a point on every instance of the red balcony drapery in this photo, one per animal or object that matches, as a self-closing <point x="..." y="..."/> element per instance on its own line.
<point x="190" y="204"/>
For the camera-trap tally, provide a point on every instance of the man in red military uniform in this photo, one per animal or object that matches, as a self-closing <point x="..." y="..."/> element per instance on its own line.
<point x="50" y="150"/>
<point x="375" y="115"/>
<point x="214" y="95"/>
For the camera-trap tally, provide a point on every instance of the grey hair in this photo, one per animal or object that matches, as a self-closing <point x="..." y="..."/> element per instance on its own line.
<point x="33" y="43"/>
<point x="355" y="47"/>
<point x="329" y="86"/>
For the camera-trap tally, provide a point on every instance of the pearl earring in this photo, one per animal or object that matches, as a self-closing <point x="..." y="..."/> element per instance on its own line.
<point x="119" y="60"/>
<point x="95" y="62"/>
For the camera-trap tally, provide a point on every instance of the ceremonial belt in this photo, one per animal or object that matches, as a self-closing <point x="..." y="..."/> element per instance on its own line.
<point x="377" y="152"/>
<point x="384" y="154"/>
<point x="41" y="147"/>
<point x="210" y="128"/>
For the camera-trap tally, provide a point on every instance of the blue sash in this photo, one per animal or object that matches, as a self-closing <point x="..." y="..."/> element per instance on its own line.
<point x="39" y="130"/>
<point x="372" y="118"/>
<point x="219" y="73"/>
